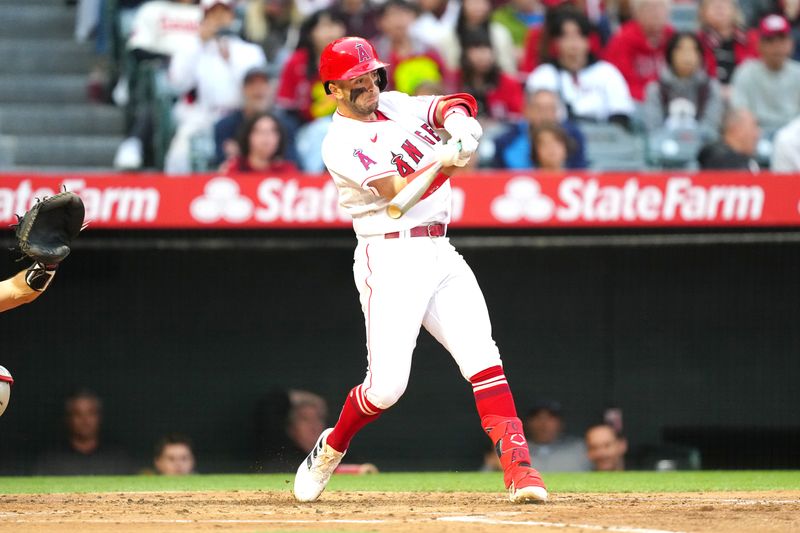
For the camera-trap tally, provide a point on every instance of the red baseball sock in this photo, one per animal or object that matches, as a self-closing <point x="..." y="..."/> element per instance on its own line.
<point x="356" y="413"/>
<point x="492" y="393"/>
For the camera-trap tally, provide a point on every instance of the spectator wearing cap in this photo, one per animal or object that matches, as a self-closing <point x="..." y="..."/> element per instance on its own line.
<point x="684" y="95"/>
<point x="160" y="29"/>
<point x="256" y="98"/>
<point x="770" y="85"/>
<point x="591" y="89"/>
<point x="551" y="449"/>
<point x="214" y="65"/>
<point x="726" y="44"/>
<point x="786" y="148"/>
<point x="637" y="50"/>
<point x="542" y="107"/>
<point x="736" y="149"/>
<point x="606" y="448"/>
<point x="411" y="61"/>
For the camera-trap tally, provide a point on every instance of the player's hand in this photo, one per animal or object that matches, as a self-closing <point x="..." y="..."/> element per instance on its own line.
<point x="451" y="154"/>
<point x="463" y="128"/>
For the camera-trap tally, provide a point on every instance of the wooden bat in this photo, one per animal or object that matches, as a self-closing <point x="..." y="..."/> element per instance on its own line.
<point x="411" y="193"/>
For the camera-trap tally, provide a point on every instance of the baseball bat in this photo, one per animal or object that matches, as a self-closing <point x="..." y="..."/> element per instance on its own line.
<point x="411" y="193"/>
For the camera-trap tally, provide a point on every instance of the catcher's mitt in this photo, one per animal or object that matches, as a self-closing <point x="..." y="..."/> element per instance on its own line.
<point x="46" y="231"/>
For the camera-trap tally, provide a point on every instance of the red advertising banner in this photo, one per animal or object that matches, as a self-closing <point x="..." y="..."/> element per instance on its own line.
<point x="481" y="199"/>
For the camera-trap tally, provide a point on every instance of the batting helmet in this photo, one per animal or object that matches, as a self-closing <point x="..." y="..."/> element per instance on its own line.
<point x="348" y="58"/>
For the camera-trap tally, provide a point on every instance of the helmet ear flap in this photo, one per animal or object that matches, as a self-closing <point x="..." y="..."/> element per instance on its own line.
<point x="325" y="86"/>
<point x="383" y="79"/>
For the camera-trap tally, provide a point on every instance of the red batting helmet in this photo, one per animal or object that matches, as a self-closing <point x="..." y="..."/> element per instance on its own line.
<point x="348" y="58"/>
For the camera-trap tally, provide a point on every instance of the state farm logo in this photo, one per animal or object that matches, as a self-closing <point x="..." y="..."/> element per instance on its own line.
<point x="221" y="201"/>
<point x="275" y="200"/>
<point x="523" y="199"/>
<point x="128" y="204"/>
<point x="579" y="199"/>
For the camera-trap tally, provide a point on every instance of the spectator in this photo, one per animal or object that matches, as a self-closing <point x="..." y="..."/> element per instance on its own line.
<point x="261" y="147"/>
<point x="513" y="148"/>
<point x="475" y="15"/>
<point x="274" y="24"/>
<point x="550" y="147"/>
<point x="410" y="61"/>
<point x="770" y="86"/>
<point x="435" y="22"/>
<point x="83" y="452"/>
<point x="726" y="44"/>
<point x="256" y="98"/>
<point x="360" y="17"/>
<point x="540" y="44"/>
<point x="174" y="456"/>
<point x="160" y="29"/>
<point x="592" y="90"/>
<point x="499" y="95"/>
<point x="214" y="65"/>
<point x="684" y="94"/>
<point x="302" y="415"/>
<point x="300" y="93"/>
<point x="637" y="50"/>
<point x="605" y="448"/>
<point x="518" y="16"/>
<point x="786" y="148"/>
<point x="737" y="147"/>
<point x="551" y="449"/>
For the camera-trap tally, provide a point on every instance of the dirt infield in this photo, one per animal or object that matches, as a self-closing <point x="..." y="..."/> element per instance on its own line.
<point x="399" y="512"/>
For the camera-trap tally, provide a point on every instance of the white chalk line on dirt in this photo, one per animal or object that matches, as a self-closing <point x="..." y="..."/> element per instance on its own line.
<point x="535" y="523"/>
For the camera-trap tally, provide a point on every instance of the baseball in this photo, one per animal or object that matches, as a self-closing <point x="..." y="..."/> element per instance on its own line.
<point x="5" y="389"/>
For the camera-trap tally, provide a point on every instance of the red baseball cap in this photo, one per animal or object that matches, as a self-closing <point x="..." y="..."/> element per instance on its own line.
<point x="773" y="26"/>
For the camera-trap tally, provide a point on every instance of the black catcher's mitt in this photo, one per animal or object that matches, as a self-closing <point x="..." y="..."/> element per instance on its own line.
<point x="46" y="231"/>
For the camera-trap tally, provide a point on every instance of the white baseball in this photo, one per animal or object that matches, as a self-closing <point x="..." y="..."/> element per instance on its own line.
<point x="5" y="389"/>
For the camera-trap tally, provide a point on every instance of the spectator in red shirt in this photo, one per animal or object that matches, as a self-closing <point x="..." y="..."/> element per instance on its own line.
<point x="300" y="92"/>
<point x="410" y="62"/>
<point x="725" y="43"/>
<point x="499" y="95"/>
<point x="638" y="49"/>
<point x="262" y="147"/>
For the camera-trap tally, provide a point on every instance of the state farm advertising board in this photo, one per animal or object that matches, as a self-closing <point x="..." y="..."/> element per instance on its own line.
<point x="482" y="199"/>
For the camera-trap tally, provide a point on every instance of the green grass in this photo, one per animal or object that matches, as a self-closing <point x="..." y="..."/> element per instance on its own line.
<point x="414" y="482"/>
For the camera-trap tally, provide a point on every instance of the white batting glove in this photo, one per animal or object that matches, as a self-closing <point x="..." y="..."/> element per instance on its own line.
<point x="460" y="127"/>
<point x="452" y="154"/>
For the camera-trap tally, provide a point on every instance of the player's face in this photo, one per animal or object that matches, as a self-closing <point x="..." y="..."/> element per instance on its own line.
<point x="359" y="95"/>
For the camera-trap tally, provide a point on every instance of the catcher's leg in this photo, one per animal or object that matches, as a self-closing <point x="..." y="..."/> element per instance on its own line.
<point x="458" y="318"/>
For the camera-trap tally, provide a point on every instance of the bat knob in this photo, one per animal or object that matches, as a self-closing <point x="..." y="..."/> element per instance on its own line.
<point x="393" y="211"/>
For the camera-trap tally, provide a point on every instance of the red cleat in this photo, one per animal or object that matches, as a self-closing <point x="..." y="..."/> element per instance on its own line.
<point x="522" y="480"/>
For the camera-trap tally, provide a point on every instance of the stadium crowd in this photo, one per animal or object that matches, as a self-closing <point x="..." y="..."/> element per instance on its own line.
<point x="233" y="84"/>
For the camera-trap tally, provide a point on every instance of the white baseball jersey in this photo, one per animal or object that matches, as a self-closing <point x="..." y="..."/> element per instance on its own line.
<point x="400" y="142"/>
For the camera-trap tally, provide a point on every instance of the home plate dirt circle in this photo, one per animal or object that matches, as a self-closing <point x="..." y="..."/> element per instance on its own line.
<point x="141" y="512"/>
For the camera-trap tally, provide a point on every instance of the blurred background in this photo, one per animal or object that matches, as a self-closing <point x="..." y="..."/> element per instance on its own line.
<point x="175" y="347"/>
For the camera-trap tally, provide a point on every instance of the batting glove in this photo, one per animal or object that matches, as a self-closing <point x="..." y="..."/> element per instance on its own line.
<point x="465" y="129"/>
<point x="452" y="154"/>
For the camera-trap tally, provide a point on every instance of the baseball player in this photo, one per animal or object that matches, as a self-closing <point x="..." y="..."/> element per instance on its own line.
<point x="407" y="273"/>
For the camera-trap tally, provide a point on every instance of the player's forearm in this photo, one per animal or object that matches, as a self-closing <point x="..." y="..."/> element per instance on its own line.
<point x="15" y="292"/>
